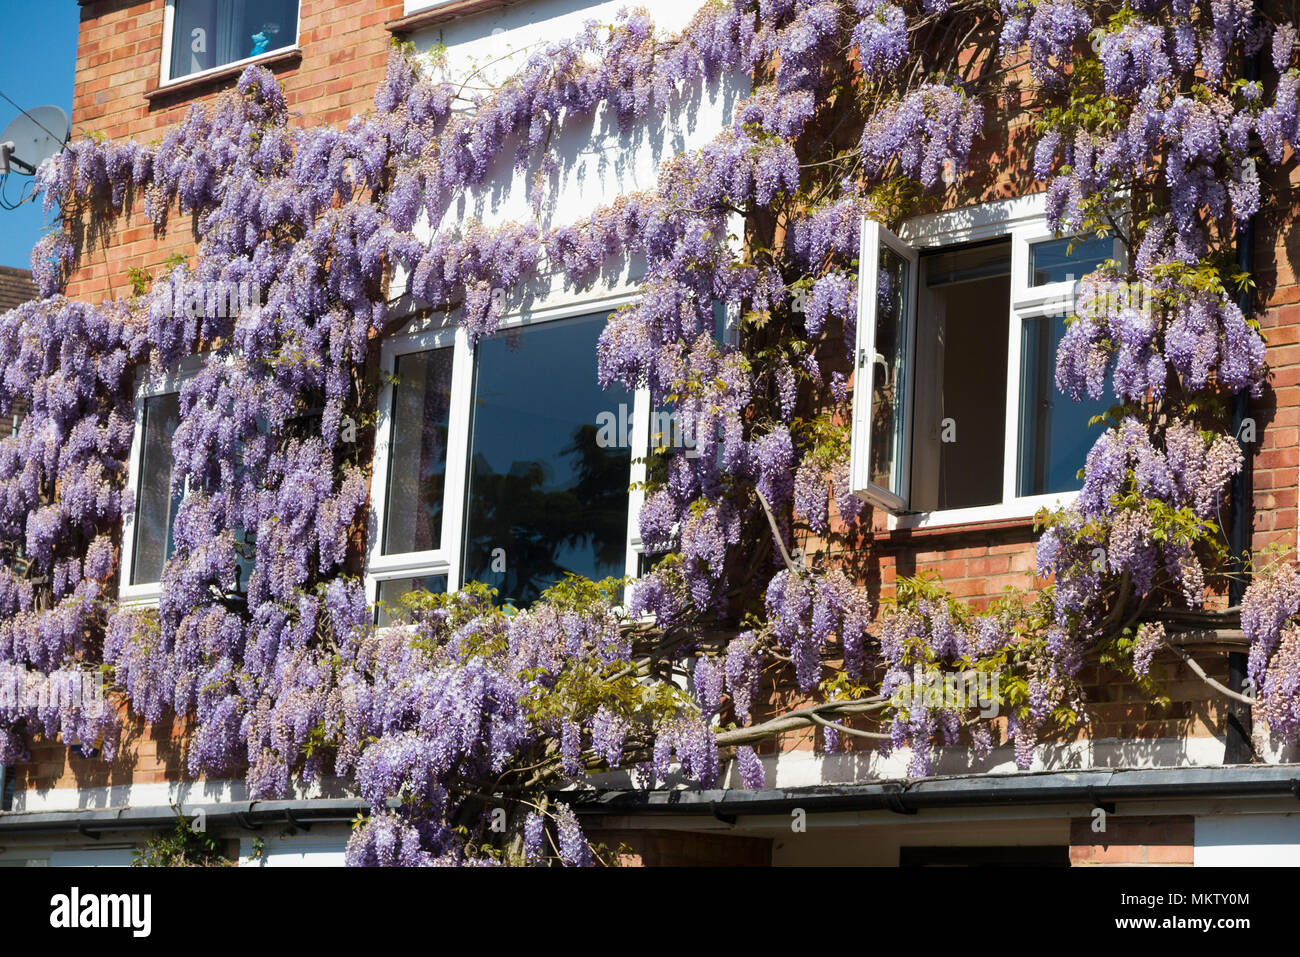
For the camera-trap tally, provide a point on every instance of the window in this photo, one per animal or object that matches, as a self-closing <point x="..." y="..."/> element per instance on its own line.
<point x="886" y="292"/>
<point x="506" y="463"/>
<point x="418" y="455"/>
<point x="959" y="320"/>
<point x="147" y="542"/>
<point x="203" y="35"/>
<point x="547" y="496"/>
<point x="155" y="505"/>
<point x="147" y="529"/>
<point x="415" y="526"/>
<point x="390" y="592"/>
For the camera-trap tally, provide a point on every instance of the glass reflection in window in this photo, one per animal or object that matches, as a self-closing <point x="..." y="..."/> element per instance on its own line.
<point x="546" y="494"/>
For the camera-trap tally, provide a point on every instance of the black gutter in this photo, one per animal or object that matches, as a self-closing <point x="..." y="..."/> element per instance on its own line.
<point x="1097" y="788"/>
<point x="1094" y="788"/>
<point x="247" y="815"/>
<point x="1238" y="747"/>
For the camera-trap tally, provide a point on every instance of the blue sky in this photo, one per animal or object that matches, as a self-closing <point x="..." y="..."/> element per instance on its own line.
<point x="38" y="52"/>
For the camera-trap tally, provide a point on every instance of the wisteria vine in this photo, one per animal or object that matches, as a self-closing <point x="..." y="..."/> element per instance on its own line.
<point x="1147" y="128"/>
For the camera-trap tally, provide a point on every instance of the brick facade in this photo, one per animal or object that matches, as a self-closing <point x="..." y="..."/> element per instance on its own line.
<point x="344" y="46"/>
<point x="1277" y="411"/>
<point x="1133" y="841"/>
<point x="147" y="754"/>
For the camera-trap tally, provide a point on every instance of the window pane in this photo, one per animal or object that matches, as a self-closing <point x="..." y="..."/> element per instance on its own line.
<point x="388" y="603"/>
<point x="975" y="304"/>
<point x="155" y="506"/>
<point x="721" y="322"/>
<point x="417" y="465"/>
<point x="245" y="559"/>
<point x="1054" y="433"/>
<point x="547" y="494"/>
<point x="964" y="265"/>
<point x="212" y="33"/>
<point x="889" y="385"/>
<point x="1051" y="262"/>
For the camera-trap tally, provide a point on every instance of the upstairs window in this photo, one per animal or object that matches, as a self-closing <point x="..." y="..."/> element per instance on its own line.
<point x="959" y="322"/>
<point x="204" y="35"/>
<point x="147" y="541"/>
<point x="416" y="526"/>
<point x="548" y="494"/>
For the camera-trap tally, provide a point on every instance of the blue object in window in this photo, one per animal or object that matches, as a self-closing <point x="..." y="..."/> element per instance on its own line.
<point x="260" y="43"/>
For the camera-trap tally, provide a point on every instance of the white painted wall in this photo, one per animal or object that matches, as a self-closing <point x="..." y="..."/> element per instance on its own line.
<point x="415" y="6"/>
<point x="877" y="840"/>
<point x="596" y="161"/>
<point x="319" y="847"/>
<point x="159" y="794"/>
<point x="92" y="857"/>
<point x="1252" y="840"/>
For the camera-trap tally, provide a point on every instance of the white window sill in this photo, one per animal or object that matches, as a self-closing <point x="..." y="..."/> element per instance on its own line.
<point x="234" y="68"/>
<point x="140" y="596"/>
<point x="1020" y="509"/>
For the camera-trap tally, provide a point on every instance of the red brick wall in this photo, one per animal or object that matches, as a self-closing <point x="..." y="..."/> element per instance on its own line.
<point x="654" y="848"/>
<point x="119" y="53"/>
<point x="1277" y="411"/>
<point x="344" y="51"/>
<point x="119" y="49"/>
<point x="147" y="754"/>
<point x="1116" y="709"/>
<point x="1130" y="841"/>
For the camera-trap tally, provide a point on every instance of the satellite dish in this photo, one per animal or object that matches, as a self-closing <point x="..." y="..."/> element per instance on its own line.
<point x="33" y="137"/>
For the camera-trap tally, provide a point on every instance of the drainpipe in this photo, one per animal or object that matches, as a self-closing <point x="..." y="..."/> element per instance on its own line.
<point x="1238" y="748"/>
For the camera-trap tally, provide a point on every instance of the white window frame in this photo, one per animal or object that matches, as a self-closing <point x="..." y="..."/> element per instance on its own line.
<point x="445" y="559"/>
<point x="169" y="29"/>
<point x="148" y="386"/>
<point x="1022" y="220"/>
<point x="875" y="237"/>
<point x="421" y="336"/>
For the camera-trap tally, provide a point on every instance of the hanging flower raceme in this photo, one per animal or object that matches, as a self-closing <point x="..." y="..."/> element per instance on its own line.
<point x="928" y="132"/>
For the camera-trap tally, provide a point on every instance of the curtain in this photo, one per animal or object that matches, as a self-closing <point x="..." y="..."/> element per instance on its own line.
<point x="209" y="33"/>
<point x="232" y="43"/>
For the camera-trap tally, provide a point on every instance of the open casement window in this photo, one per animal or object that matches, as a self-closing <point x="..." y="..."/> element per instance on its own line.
<point x="959" y="322"/>
<point x="882" y="395"/>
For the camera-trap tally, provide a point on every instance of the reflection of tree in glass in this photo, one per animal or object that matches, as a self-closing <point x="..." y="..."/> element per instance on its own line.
<point x="537" y="527"/>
